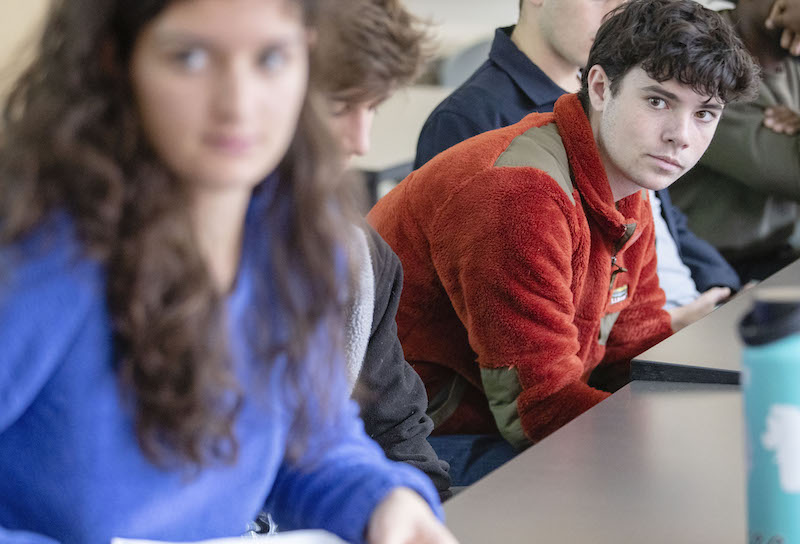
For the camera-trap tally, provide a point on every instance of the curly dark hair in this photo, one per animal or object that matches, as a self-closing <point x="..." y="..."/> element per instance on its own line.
<point x="72" y="142"/>
<point x="673" y="39"/>
<point x="368" y="48"/>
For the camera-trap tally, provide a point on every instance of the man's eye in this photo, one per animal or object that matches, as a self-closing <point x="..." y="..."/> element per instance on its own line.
<point x="338" y="109"/>
<point x="705" y="115"/>
<point x="657" y="102"/>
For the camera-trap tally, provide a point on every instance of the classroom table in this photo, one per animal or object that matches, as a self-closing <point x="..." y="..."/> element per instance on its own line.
<point x="709" y="350"/>
<point x="657" y="462"/>
<point x="397" y="125"/>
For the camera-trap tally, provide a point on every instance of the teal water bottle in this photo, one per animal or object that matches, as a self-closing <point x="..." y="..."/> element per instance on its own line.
<point x="771" y="391"/>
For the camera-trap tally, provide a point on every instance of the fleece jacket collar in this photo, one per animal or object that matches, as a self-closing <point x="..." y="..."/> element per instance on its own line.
<point x="589" y="175"/>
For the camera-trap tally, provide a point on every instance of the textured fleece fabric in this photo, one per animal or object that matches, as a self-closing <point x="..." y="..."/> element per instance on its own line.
<point x="360" y="305"/>
<point x="71" y="470"/>
<point x="506" y="88"/>
<point x="510" y="270"/>
<point x="391" y="395"/>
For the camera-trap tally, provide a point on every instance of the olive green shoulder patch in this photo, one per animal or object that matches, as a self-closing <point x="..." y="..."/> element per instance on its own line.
<point x="541" y="148"/>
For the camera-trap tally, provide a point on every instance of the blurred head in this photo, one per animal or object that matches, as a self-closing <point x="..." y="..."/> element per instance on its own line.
<point x="659" y="74"/>
<point x="366" y="50"/>
<point x="128" y="109"/>
<point x="218" y="87"/>
<point x="566" y="27"/>
<point x="185" y="88"/>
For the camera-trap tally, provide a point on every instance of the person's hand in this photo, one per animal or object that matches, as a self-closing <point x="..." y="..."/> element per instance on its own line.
<point x="782" y="120"/>
<point x="699" y="307"/>
<point x="404" y="518"/>
<point x="785" y="14"/>
<point x="747" y="286"/>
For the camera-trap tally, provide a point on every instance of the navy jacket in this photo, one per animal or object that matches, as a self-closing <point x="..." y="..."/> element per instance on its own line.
<point x="506" y="88"/>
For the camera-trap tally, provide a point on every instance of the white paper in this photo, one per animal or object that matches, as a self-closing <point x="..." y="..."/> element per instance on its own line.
<point x="289" y="537"/>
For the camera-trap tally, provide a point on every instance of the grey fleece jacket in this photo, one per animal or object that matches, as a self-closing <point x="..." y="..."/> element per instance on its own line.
<point x="390" y="393"/>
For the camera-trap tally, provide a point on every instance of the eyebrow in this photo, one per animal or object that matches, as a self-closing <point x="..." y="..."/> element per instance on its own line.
<point x="183" y="38"/>
<point x="180" y="38"/>
<point x="657" y="89"/>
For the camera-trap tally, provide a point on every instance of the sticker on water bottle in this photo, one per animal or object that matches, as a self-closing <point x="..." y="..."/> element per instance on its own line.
<point x="783" y="437"/>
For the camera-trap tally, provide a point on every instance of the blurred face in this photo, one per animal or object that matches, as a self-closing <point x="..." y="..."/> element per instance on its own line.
<point x="351" y="124"/>
<point x="569" y="27"/>
<point x="219" y="86"/>
<point x="649" y="133"/>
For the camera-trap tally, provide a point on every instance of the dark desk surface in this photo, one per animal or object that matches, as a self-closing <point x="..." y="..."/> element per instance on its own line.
<point x="710" y="349"/>
<point x="656" y="462"/>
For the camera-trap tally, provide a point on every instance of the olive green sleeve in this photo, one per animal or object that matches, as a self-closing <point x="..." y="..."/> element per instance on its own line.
<point x="747" y="152"/>
<point x="502" y="389"/>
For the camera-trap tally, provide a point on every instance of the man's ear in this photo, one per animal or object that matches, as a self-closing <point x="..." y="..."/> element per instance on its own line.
<point x="599" y="87"/>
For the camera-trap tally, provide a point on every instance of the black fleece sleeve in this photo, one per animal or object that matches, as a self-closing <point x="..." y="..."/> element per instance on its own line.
<point x="390" y="393"/>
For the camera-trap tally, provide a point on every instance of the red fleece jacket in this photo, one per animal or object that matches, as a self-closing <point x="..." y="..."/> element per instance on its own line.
<point x="507" y="281"/>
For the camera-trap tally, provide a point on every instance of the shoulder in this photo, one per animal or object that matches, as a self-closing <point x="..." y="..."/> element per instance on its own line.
<point x="50" y="265"/>
<point x="487" y="83"/>
<point x="515" y="203"/>
<point x="383" y="257"/>
<point x="480" y="101"/>
<point x="540" y="147"/>
<point x="48" y="287"/>
<point x="529" y="161"/>
<point x="522" y="162"/>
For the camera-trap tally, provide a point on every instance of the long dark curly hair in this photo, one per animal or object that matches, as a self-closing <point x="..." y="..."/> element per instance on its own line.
<point x="71" y="141"/>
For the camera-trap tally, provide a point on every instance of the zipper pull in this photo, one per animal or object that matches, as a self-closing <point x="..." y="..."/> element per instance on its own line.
<point x="615" y="269"/>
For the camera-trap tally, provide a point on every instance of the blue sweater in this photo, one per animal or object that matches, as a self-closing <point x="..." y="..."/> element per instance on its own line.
<point x="70" y="467"/>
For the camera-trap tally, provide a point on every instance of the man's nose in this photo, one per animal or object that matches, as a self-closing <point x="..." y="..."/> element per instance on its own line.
<point x="678" y="130"/>
<point x="359" y="128"/>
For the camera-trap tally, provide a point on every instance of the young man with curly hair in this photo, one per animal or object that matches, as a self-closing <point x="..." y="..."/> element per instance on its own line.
<point x="532" y="64"/>
<point x="528" y="251"/>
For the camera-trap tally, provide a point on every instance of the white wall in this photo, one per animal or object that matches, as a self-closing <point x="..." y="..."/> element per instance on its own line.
<point x="19" y="20"/>
<point x="460" y="23"/>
